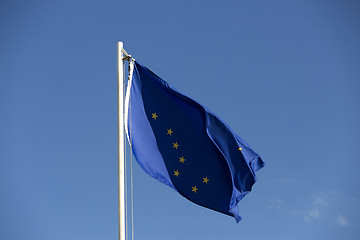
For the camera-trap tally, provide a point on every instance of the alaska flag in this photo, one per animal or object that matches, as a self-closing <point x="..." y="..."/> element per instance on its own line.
<point x="182" y="144"/>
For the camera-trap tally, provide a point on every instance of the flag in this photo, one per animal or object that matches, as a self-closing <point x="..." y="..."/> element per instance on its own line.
<point x="185" y="146"/>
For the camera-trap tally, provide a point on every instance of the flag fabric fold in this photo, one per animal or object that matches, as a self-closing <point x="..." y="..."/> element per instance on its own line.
<point x="185" y="146"/>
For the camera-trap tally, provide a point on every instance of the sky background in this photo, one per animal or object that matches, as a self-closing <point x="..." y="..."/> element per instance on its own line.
<point x="283" y="74"/>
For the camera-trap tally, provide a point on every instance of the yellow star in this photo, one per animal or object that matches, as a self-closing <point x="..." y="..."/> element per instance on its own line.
<point x="206" y="180"/>
<point x="182" y="159"/>
<point x="154" y="116"/>
<point x="240" y="149"/>
<point x="194" y="189"/>
<point x="175" y="145"/>
<point x="176" y="173"/>
<point x="169" y="131"/>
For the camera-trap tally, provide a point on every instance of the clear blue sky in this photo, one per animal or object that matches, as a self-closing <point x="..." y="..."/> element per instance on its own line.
<point x="285" y="75"/>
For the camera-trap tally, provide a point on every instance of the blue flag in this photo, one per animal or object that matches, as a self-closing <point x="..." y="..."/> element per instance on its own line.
<point x="183" y="145"/>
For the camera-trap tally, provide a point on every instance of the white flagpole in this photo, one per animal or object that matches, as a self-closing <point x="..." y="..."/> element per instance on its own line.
<point x="121" y="142"/>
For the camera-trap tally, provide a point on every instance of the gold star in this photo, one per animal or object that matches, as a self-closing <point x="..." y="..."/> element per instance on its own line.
<point x="194" y="189"/>
<point x="240" y="149"/>
<point x="182" y="159"/>
<point x="169" y="131"/>
<point x="206" y="180"/>
<point x="154" y="116"/>
<point x="176" y="173"/>
<point x="175" y="145"/>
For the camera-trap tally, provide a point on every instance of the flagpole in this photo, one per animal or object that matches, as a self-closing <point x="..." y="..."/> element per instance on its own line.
<point x="121" y="142"/>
